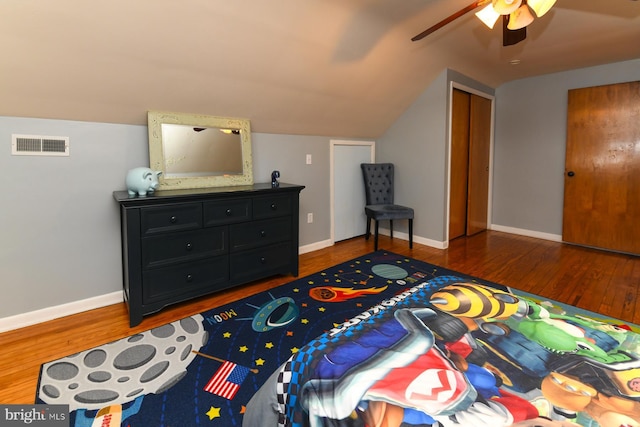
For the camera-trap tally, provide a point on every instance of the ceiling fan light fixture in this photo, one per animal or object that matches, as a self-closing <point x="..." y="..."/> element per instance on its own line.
<point x="488" y="16"/>
<point x="520" y="18"/>
<point x="540" y="7"/>
<point x="505" y="7"/>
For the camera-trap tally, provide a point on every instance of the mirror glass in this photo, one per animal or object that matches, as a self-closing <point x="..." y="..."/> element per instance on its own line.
<point x="198" y="151"/>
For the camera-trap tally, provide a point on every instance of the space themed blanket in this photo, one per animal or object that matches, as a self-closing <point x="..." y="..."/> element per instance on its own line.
<point x="381" y="340"/>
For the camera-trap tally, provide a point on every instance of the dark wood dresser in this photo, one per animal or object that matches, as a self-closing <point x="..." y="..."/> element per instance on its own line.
<point x="182" y="244"/>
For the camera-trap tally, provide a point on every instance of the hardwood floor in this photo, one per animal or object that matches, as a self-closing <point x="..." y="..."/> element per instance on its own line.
<point x="595" y="280"/>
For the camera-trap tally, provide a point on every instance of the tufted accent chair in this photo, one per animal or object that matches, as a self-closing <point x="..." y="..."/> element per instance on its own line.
<point x="378" y="187"/>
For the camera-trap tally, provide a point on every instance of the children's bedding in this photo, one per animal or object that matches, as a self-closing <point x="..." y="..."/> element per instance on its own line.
<point x="448" y="352"/>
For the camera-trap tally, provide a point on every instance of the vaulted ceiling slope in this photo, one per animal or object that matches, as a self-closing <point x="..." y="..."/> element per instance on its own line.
<point x="315" y="67"/>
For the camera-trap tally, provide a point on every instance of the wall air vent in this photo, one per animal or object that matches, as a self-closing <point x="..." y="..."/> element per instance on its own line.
<point x="37" y="145"/>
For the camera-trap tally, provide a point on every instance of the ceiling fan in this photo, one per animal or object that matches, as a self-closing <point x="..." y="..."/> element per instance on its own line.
<point x="516" y="15"/>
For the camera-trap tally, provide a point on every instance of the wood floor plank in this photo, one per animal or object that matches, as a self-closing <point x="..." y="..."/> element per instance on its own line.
<point x="595" y="280"/>
<point x="624" y="295"/>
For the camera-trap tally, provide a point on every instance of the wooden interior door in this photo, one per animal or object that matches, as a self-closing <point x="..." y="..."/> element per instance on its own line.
<point x="479" y="149"/>
<point x="602" y="168"/>
<point x="470" y="152"/>
<point x="347" y="188"/>
<point x="460" y="105"/>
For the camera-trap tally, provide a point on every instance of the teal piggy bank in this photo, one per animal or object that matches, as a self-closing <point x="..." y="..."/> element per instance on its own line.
<point x="142" y="181"/>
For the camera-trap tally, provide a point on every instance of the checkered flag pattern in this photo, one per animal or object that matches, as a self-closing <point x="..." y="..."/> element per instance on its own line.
<point x="292" y="375"/>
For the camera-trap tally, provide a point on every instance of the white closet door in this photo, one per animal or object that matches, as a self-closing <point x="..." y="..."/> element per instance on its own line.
<point x="349" y="219"/>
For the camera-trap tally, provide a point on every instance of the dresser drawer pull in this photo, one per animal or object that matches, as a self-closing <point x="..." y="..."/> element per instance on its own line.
<point x="263" y="260"/>
<point x="274" y="206"/>
<point x="263" y="233"/>
<point x="189" y="246"/>
<point x="173" y="220"/>
<point x="189" y="278"/>
<point x="228" y="212"/>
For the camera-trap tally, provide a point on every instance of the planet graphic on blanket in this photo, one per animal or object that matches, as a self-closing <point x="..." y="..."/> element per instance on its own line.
<point x="274" y="314"/>
<point x="124" y="370"/>
<point x="388" y="271"/>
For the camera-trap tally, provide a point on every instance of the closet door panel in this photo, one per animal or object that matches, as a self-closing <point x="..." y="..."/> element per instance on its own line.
<point x="479" y="157"/>
<point x="459" y="164"/>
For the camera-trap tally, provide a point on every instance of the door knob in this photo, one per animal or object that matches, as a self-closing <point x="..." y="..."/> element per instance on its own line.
<point x="570" y="173"/>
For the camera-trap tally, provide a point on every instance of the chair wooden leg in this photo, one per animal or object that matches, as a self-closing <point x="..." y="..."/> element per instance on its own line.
<point x="391" y="227"/>
<point x="411" y="233"/>
<point x="375" y="240"/>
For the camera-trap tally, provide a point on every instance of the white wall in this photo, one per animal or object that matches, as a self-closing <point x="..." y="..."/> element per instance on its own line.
<point x="60" y="226"/>
<point x="415" y="144"/>
<point x="287" y="154"/>
<point x="59" y="222"/>
<point x="530" y="136"/>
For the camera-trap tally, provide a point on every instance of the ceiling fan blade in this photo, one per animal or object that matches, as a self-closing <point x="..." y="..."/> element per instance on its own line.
<point x="511" y="37"/>
<point x="449" y="19"/>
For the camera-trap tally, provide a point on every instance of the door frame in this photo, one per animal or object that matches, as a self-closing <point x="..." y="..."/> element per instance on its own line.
<point x="460" y="86"/>
<point x="333" y="144"/>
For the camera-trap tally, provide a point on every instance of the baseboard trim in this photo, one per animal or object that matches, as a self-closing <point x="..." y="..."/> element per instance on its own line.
<point x="50" y="313"/>
<point x="528" y="233"/>
<point x="417" y="239"/>
<point x="315" y="246"/>
<point x="430" y="242"/>
<point x="444" y="245"/>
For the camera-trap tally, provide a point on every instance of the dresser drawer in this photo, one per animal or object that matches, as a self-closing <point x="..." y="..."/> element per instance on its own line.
<point x="177" y="217"/>
<point x="258" y="262"/>
<point x="227" y="211"/>
<point x="169" y="248"/>
<point x="271" y="206"/>
<point x="259" y="233"/>
<point x="184" y="281"/>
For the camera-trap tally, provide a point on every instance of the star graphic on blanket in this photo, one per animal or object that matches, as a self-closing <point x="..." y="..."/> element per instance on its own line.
<point x="268" y="345"/>
<point x="243" y="349"/>
<point x="213" y="413"/>
<point x="260" y="362"/>
<point x="226" y="335"/>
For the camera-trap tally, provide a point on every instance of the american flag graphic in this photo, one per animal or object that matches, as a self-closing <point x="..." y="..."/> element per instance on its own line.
<point x="227" y="379"/>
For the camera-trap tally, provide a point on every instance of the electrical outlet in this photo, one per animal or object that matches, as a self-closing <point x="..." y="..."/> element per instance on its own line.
<point x="308" y="159"/>
<point x="309" y="218"/>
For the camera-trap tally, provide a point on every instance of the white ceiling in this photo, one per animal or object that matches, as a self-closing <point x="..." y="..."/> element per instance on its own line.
<point x="318" y="67"/>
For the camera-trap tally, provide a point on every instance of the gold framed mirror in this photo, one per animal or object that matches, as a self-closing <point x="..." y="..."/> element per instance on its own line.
<point x="199" y="151"/>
